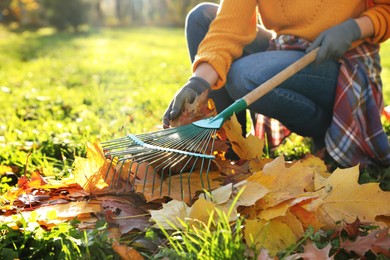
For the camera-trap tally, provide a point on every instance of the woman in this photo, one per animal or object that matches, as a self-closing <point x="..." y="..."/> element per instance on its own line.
<point x="337" y="100"/>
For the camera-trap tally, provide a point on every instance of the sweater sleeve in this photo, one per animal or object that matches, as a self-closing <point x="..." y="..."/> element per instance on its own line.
<point x="379" y="14"/>
<point x="232" y="29"/>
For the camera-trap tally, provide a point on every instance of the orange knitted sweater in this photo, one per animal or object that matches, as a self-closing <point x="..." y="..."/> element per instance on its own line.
<point x="236" y="23"/>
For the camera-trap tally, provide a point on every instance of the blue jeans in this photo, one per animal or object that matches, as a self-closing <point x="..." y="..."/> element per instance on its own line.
<point x="303" y="103"/>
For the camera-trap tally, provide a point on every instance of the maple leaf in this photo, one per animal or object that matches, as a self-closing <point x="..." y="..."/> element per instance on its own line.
<point x="283" y="182"/>
<point x="293" y="222"/>
<point x="272" y="235"/>
<point x="377" y="241"/>
<point x="90" y="172"/>
<point x="126" y="215"/>
<point x="171" y="215"/>
<point x="343" y="198"/>
<point x="247" y="148"/>
<point x="312" y="252"/>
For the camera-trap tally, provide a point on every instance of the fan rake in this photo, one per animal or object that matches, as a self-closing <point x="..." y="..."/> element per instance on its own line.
<point x="150" y="160"/>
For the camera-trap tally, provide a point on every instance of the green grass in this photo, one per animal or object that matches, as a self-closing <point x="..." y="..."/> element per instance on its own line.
<point x="60" y="90"/>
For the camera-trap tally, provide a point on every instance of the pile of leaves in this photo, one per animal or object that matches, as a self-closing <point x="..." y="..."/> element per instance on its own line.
<point x="267" y="209"/>
<point x="280" y="204"/>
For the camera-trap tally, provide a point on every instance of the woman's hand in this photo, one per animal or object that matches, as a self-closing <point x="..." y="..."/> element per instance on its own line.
<point x="193" y="88"/>
<point x="335" y="41"/>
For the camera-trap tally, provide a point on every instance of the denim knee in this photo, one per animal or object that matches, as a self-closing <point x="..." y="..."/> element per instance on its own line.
<point x="203" y="12"/>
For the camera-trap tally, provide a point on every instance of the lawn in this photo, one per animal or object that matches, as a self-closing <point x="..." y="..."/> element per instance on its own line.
<point x="59" y="91"/>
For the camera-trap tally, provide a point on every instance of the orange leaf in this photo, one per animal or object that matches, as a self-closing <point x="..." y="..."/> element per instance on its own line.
<point x="306" y="217"/>
<point x="127" y="253"/>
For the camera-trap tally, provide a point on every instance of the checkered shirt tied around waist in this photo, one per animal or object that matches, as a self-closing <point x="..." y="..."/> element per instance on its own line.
<point x="356" y="133"/>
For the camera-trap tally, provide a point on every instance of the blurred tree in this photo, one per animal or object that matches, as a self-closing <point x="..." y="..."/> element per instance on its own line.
<point x="63" y="14"/>
<point x="19" y="11"/>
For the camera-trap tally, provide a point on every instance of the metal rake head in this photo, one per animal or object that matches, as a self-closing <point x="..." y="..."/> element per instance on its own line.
<point x="147" y="162"/>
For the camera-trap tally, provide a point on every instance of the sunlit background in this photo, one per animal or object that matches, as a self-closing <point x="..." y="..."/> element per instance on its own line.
<point x="72" y="14"/>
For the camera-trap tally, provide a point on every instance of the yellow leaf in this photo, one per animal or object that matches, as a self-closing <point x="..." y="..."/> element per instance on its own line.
<point x="290" y="182"/>
<point x="220" y="195"/>
<point x="247" y="148"/>
<point x="274" y="212"/>
<point x="293" y="222"/>
<point x="343" y="198"/>
<point x="171" y="215"/>
<point x="90" y="172"/>
<point x="252" y="192"/>
<point x="272" y="235"/>
<point x="201" y="211"/>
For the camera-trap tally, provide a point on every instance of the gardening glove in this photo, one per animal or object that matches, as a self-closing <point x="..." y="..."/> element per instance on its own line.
<point x="335" y="41"/>
<point x="193" y="88"/>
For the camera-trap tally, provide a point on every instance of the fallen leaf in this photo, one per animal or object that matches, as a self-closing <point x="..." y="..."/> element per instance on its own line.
<point x="272" y="235"/>
<point x="171" y="215"/>
<point x="343" y="198"/>
<point x="126" y="252"/>
<point x="283" y="182"/>
<point x="125" y="215"/>
<point x="177" y="187"/>
<point x="293" y="222"/>
<point x="312" y="252"/>
<point x="247" y="148"/>
<point x="307" y="218"/>
<point x="201" y="211"/>
<point x="378" y="241"/>
<point x="90" y="172"/>
<point x="201" y="107"/>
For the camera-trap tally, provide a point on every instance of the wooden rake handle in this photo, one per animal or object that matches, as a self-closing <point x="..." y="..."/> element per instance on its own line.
<point x="280" y="77"/>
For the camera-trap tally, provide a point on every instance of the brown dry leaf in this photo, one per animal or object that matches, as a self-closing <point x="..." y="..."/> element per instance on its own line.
<point x="343" y="198"/>
<point x="126" y="216"/>
<point x="177" y="187"/>
<point x="127" y="253"/>
<point x="247" y="148"/>
<point x="202" y="107"/>
<point x="377" y="241"/>
<point x="272" y="235"/>
<point x="61" y="212"/>
<point x="312" y="252"/>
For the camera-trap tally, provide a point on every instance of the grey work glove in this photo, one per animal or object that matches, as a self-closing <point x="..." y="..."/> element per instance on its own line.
<point x="335" y="41"/>
<point x="193" y="88"/>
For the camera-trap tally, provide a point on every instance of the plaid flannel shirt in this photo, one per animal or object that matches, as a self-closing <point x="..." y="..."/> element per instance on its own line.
<point x="356" y="133"/>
